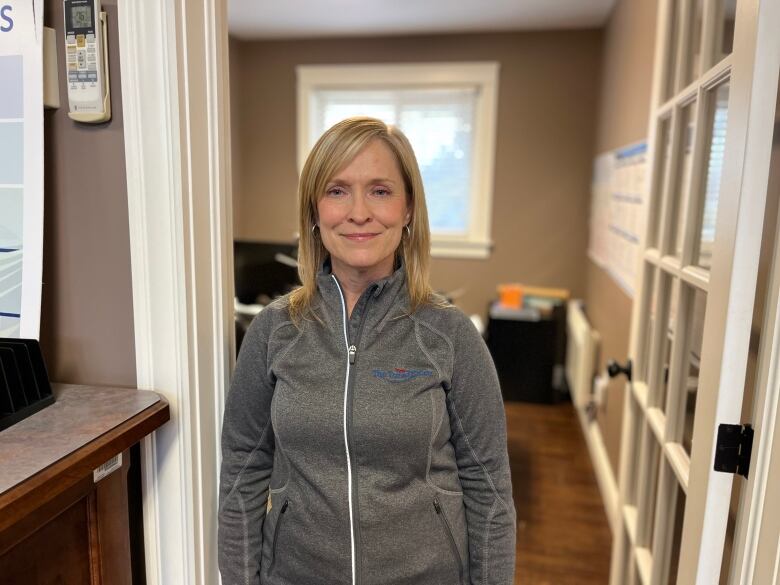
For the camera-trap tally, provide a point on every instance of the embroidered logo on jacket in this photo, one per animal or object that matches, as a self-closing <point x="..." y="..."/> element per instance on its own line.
<point x="401" y="374"/>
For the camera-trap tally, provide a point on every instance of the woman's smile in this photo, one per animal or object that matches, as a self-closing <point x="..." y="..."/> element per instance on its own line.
<point x="360" y="237"/>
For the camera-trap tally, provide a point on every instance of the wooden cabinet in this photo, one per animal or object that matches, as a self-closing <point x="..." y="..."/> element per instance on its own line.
<point x="57" y="525"/>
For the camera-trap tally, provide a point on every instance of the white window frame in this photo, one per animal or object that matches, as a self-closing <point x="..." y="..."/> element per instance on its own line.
<point x="483" y="75"/>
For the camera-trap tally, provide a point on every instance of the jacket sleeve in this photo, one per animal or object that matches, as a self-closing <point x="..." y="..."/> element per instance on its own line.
<point x="247" y="460"/>
<point x="478" y="426"/>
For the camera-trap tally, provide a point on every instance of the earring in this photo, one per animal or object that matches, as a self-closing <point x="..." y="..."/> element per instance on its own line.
<point x="408" y="231"/>
<point x="314" y="227"/>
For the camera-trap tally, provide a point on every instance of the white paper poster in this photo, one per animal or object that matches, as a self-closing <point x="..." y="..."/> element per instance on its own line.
<point x="21" y="167"/>
<point x="618" y="211"/>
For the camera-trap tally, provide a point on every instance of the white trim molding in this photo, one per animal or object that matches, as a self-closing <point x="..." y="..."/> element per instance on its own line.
<point x="173" y="57"/>
<point x="605" y="477"/>
<point x="481" y="76"/>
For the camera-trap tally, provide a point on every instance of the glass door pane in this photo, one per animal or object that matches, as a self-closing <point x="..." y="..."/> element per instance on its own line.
<point x="649" y="454"/>
<point x="694" y="334"/>
<point x="692" y="64"/>
<point x="664" y="141"/>
<point x="650" y="302"/>
<point x="635" y="437"/>
<point x="676" y="535"/>
<point x="661" y="332"/>
<point x="667" y="351"/>
<point x="681" y="185"/>
<point x="676" y="8"/>
<point x="708" y="211"/>
<point x="724" y="40"/>
<point x="670" y="510"/>
<point x="649" y="513"/>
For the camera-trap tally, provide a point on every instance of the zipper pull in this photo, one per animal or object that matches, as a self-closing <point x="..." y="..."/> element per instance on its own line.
<point x="437" y="505"/>
<point x="352" y="351"/>
<point x="284" y="506"/>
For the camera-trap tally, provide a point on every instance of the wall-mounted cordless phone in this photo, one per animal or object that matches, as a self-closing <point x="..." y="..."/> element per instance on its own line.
<point x="86" y="61"/>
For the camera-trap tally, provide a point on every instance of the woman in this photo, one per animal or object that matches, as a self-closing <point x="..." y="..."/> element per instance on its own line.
<point x="364" y="437"/>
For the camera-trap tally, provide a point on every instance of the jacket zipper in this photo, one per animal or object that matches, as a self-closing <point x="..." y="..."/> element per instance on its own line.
<point x="349" y="382"/>
<point x="448" y="530"/>
<point x="276" y="533"/>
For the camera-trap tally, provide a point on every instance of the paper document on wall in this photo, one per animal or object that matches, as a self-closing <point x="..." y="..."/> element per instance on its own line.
<point x="618" y="211"/>
<point x="21" y="167"/>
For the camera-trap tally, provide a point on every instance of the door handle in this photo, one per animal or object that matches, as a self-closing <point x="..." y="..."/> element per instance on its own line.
<point x="615" y="369"/>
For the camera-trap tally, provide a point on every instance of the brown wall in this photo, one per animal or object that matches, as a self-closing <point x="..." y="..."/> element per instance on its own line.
<point x="547" y="106"/>
<point x="624" y="110"/>
<point x="87" y="309"/>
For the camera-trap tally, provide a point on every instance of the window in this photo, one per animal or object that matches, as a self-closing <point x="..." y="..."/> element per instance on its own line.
<point x="447" y="111"/>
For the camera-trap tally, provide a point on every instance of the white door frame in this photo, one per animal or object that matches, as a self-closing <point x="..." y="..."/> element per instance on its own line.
<point x="754" y="90"/>
<point x="757" y="541"/>
<point x="758" y="527"/>
<point x="173" y="56"/>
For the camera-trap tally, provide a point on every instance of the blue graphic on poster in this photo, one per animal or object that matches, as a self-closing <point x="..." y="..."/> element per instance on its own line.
<point x="21" y="167"/>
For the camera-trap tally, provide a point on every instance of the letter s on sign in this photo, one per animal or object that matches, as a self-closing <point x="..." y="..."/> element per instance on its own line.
<point x="6" y="22"/>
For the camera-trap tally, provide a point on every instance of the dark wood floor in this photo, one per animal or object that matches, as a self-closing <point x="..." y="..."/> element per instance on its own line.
<point x="563" y="537"/>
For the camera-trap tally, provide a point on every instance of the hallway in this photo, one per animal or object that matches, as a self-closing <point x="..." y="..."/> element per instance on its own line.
<point x="563" y="537"/>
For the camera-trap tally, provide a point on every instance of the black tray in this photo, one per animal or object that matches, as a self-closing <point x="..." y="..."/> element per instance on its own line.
<point x="24" y="383"/>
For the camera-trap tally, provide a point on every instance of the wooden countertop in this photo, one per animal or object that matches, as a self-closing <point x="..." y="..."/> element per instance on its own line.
<point x="56" y="447"/>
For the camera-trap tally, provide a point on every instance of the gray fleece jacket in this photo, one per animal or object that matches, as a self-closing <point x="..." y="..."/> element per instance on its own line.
<point x="365" y="450"/>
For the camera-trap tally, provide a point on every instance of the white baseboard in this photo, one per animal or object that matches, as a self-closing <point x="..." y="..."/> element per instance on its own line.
<point x="602" y="467"/>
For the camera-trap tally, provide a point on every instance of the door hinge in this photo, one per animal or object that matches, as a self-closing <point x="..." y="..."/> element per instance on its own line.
<point x="733" y="448"/>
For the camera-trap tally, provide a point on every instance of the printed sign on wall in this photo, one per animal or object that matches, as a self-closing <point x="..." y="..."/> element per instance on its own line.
<point x="21" y="166"/>
<point x="617" y="212"/>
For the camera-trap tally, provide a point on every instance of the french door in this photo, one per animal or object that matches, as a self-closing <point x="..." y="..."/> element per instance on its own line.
<point x="714" y="88"/>
<point x="757" y="539"/>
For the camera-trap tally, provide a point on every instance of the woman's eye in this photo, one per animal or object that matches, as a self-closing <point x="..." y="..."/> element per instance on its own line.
<point x="335" y="192"/>
<point x="381" y="192"/>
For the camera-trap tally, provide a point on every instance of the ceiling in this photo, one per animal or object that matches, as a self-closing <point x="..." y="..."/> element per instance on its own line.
<point x="263" y="19"/>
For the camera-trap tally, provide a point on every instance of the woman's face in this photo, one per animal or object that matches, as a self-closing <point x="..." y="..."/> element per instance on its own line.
<point x="362" y="213"/>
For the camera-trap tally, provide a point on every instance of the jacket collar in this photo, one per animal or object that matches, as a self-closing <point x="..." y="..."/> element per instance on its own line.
<point x="386" y="293"/>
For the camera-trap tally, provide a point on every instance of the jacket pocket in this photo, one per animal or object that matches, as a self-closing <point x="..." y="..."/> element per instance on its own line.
<point x="450" y="537"/>
<point x="279" y="521"/>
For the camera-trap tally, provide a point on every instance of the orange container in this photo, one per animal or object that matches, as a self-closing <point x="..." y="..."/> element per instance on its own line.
<point x="510" y="295"/>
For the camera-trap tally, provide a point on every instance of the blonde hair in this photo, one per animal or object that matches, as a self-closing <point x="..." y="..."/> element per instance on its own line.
<point x="335" y="149"/>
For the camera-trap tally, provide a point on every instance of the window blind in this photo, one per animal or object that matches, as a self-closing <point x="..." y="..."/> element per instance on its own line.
<point x="439" y="124"/>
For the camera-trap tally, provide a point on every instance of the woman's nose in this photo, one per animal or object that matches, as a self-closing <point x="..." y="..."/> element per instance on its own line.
<point x="359" y="213"/>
